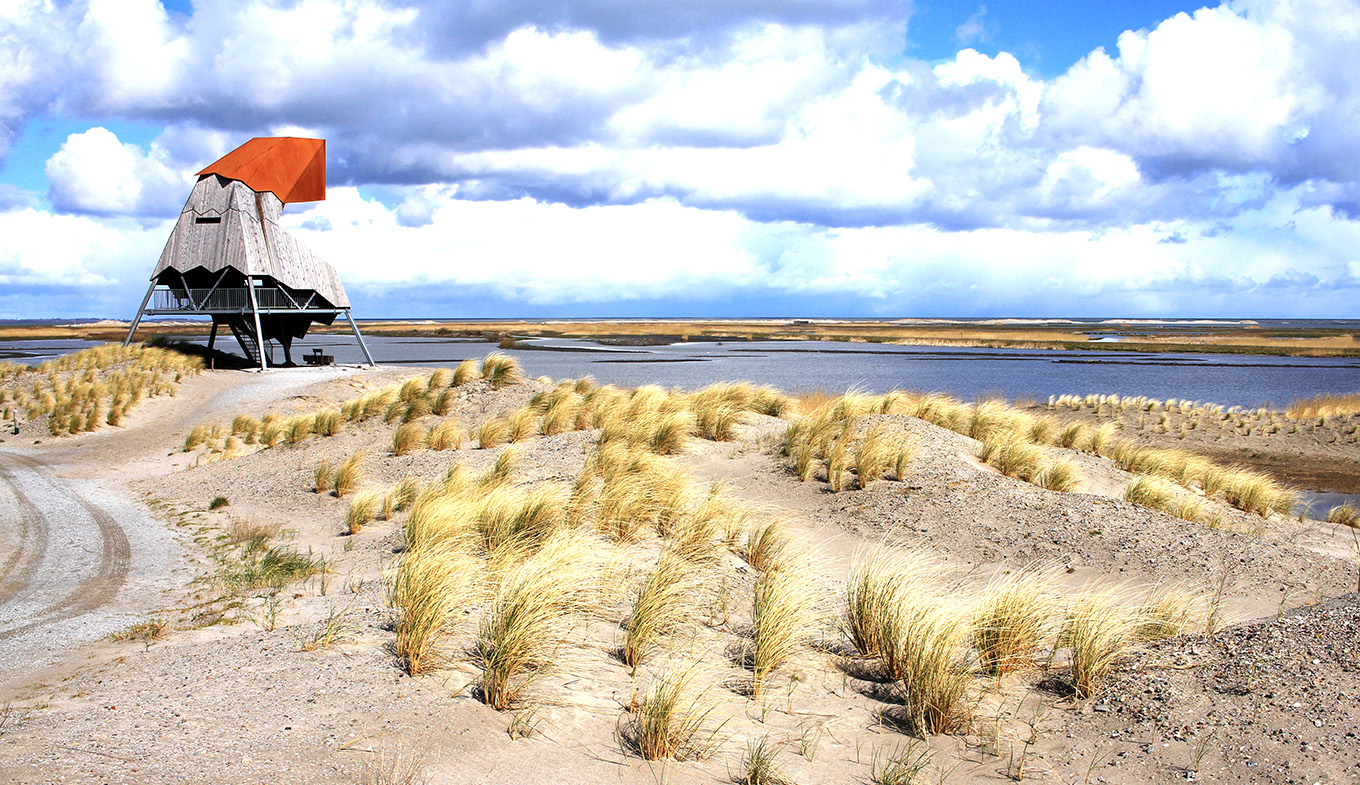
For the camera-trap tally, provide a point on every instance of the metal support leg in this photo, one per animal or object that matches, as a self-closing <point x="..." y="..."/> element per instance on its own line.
<point x="360" y="337"/>
<point x="140" y="311"/>
<point x="212" y="337"/>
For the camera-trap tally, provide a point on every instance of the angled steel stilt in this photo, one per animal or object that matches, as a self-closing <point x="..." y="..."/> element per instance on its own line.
<point x="359" y="336"/>
<point x="140" y="311"/>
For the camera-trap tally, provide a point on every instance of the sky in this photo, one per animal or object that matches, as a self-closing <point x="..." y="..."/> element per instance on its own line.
<point x="707" y="158"/>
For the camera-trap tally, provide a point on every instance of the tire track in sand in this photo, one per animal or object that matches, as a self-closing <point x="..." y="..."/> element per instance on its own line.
<point x="72" y="557"/>
<point x="23" y="531"/>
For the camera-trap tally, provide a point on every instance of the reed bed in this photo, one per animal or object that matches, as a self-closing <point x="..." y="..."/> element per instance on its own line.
<point x="92" y="388"/>
<point x="1324" y="406"/>
<point x="1346" y="515"/>
<point x="1012" y="621"/>
<point x="349" y="473"/>
<point x="1247" y="490"/>
<point x="783" y="616"/>
<point x="830" y="437"/>
<point x="363" y="509"/>
<point x="530" y="614"/>
<point x="665" y="600"/>
<point x="673" y="720"/>
<point x="429" y="587"/>
<point x="1099" y="630"/>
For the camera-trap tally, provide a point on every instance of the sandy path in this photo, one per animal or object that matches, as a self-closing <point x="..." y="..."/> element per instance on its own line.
<point x="80" y="558"/>
<point x="148" y="443"/>
<point x="80" y="564"/>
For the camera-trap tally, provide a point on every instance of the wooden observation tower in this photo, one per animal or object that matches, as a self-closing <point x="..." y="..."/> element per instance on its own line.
<point x="229" y="259"/>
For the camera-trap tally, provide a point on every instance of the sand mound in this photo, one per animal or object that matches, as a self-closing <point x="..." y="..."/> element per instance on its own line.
<point x="253" y="683"/>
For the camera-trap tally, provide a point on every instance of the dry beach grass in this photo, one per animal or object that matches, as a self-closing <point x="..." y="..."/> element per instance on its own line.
<point x="618" y="583"/>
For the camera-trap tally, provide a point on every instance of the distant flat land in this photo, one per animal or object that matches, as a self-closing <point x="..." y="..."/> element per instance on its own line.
<point x="1301" y="339"/>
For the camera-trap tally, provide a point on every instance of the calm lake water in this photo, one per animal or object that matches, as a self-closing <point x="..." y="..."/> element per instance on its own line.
<point x="809" y="365"/>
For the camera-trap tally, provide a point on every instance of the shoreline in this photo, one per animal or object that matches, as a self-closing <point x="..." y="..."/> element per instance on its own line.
<point x="1244" y="337"/>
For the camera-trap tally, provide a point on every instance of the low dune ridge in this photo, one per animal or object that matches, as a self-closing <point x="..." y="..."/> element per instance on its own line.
<point x="577" y="583"/>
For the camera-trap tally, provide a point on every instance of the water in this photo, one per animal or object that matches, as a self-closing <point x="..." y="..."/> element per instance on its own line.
<point x="1318" y="503"/>
<point x="963" y="372"/>
<point x="1231" y="380"/>
<point x="34" y="352"/>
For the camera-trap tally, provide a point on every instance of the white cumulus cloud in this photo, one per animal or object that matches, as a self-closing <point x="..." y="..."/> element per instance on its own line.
<point x="786" y="148"/>
<point x="94" y="172"/>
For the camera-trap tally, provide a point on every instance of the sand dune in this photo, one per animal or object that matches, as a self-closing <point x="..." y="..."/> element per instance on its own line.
<point x="303" y="683"/>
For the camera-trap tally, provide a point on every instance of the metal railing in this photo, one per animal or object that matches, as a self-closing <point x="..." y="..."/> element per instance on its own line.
<point x="221" y="299"/>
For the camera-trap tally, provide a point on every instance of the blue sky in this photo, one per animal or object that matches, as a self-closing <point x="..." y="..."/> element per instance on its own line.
<point x="763" y="158"/>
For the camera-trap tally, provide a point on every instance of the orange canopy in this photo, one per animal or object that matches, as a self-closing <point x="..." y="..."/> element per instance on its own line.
<point x="293" y="169"/>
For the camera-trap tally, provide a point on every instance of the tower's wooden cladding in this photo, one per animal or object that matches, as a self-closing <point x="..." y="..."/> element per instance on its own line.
<point x="229" y="258"/>
<point x="242" y="232"/>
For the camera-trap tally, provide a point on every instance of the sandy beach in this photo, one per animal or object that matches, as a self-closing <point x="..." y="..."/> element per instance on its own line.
<point x="305" y="682"/>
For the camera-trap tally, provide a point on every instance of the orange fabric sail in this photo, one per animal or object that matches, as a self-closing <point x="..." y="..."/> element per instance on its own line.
<point x="293" y="169"/>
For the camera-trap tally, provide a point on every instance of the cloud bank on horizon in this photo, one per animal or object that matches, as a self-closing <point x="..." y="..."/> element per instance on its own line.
<point x="635" y="157"/>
